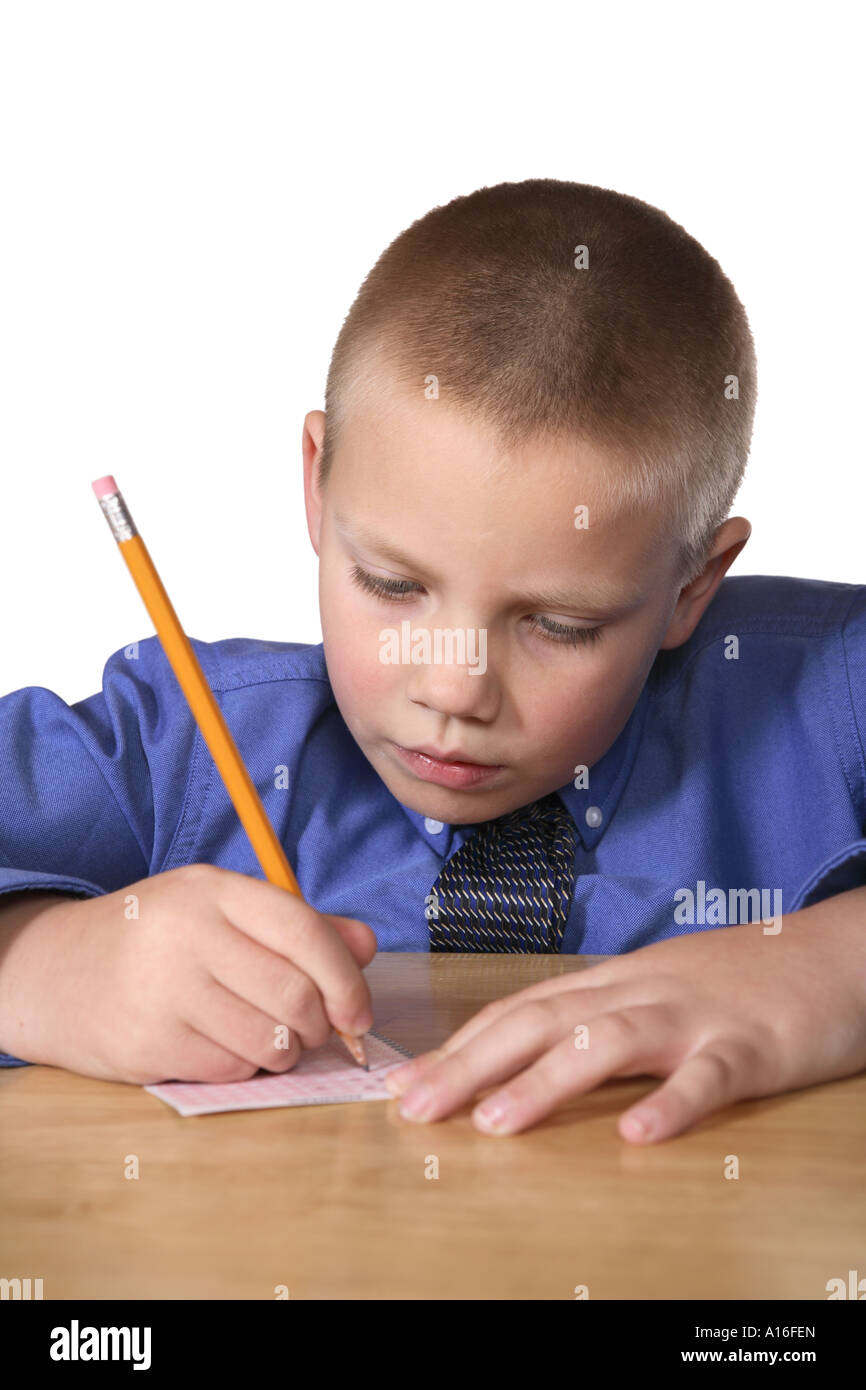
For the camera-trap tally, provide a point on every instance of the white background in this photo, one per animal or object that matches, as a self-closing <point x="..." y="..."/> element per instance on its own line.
<point x="192" y="194"/>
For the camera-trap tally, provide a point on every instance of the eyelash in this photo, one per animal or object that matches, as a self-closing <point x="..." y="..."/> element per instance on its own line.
<point x="398" y="590"/>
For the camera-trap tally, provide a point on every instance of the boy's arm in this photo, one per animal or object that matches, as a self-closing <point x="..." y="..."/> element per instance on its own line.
<point x="17" y="911"/>
<point x="90" y="793"/>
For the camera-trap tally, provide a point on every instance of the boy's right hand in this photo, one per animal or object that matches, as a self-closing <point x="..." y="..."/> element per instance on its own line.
<point x="195" y="987"/>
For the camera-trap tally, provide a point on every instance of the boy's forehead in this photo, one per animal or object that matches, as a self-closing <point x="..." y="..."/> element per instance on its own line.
<point x="399" y="448"/>
<point x="418" y="471"/>
<point x="405" y="442"/>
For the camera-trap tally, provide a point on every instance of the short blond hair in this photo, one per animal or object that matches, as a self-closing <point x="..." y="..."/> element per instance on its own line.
<point x="637" y="344"/>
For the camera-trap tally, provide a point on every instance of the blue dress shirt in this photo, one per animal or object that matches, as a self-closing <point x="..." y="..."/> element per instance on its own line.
<point x="741" y="767"/>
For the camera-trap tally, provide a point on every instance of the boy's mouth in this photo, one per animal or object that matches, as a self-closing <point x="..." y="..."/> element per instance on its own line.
<point x="450" y="771"/>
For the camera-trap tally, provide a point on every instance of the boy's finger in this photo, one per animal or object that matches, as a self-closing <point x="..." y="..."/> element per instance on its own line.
<point x="589" y="1003"/>
<point x="278" y="989"/>
<point x="360" y="939"/>
<point x="194" y="1057"/>
<point x="629" y="1040"/>
<point x="706" y="1081"/>
<point x="489" y="1057"/>
<point x="401" y="1078"/>
<point x="553" y="1079"/>
<point x="230" y="1022"/>
<point x="288" y="926"/>
<point x="618" y="1039"/>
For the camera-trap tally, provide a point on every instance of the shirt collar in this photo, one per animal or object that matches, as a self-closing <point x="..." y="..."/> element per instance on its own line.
<point x="591" y="807"/>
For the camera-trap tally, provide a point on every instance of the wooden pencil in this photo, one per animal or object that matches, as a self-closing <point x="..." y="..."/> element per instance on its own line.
<point x="203" y="705"/>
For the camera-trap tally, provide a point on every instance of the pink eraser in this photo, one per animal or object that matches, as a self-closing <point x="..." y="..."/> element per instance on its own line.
<point x="104" y="487"/>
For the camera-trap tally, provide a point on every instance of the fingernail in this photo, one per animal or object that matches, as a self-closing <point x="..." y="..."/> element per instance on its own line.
<point x="641" y="1123"/>
<point x="493" y="1113"/>
<point x="363" y="1023"/>
<point x="417" y="1103"/>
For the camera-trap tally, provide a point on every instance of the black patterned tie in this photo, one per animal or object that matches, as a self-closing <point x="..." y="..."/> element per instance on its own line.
<point x="510" y="886"/>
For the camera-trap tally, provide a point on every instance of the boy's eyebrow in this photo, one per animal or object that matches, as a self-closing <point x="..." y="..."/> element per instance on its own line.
<point x="597" y="594"/>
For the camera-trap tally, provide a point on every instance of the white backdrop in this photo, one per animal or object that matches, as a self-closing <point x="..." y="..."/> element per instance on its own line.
<point x="193" y="192"/>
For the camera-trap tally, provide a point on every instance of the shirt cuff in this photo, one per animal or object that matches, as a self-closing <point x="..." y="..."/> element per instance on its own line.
<point x="844" y="870"/>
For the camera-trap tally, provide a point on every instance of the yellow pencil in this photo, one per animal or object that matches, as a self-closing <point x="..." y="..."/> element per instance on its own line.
<point x="204" y="707"/>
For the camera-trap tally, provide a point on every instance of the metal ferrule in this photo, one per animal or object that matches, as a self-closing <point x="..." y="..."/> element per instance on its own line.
<point x="123" y="527"/>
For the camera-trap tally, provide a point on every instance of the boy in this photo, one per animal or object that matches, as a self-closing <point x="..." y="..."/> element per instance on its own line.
<point x="538" y="413"/>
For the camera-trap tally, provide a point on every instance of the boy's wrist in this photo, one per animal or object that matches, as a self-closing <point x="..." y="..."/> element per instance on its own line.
<point x="24" y="1009"/>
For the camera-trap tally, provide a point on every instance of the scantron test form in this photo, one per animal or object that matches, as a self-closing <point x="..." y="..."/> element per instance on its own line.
<point x="324" y="1075"/>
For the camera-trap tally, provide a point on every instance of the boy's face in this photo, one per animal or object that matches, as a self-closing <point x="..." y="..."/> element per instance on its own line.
<point x="478" y="555"/>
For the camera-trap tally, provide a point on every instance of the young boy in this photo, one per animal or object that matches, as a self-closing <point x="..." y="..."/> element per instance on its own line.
<point x="540" y="719"/>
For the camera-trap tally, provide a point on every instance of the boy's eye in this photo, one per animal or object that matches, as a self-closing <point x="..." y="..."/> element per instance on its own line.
<point x="400" y="589"/>
<point x="385" y="588"/>
<point x="562" y="632"/>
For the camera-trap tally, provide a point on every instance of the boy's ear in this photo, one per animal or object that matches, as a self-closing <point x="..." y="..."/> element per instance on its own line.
<point x="695" y="598"/>
<point x="311" y="445"/>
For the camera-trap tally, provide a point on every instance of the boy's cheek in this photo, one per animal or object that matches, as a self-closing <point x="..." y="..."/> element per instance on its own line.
<point x="357" y="675"/>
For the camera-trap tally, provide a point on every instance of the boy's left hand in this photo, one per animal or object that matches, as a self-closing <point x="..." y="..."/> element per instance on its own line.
<point x="727" y="1014"/>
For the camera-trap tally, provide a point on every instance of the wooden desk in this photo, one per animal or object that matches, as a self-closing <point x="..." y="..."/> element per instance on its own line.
<point x="332" y="1201"/>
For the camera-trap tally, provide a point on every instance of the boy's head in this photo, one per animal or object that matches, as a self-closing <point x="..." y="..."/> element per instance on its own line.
<point x="538" y="413"/>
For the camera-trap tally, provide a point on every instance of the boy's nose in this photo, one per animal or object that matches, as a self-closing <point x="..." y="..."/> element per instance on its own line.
<point x="461" y="691"/>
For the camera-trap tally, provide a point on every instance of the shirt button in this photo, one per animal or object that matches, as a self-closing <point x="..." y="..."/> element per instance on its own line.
<point x="594" y="816"/>
<point x="433" y="826"/>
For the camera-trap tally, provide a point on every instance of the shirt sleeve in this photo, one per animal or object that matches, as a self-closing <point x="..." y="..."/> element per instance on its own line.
<point x="91" y="793"/>
<point x="854" y="646"/>
<point x="845" y="869"/>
